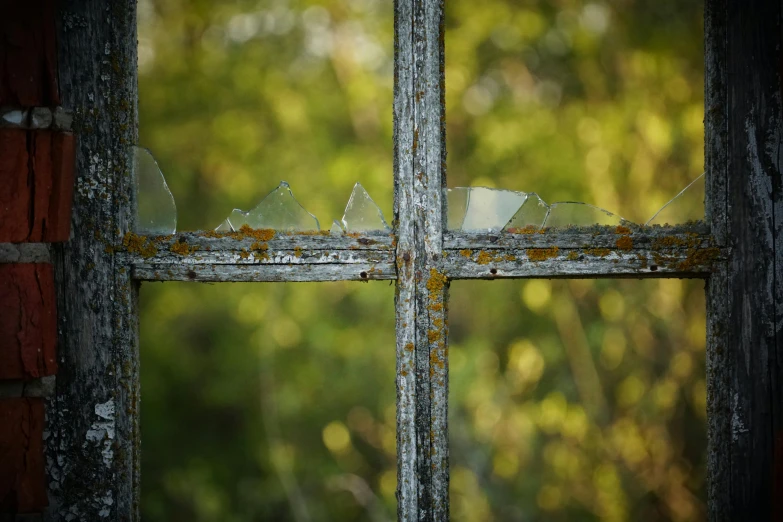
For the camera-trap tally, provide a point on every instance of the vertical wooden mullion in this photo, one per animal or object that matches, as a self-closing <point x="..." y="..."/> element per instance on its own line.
<point x="422" y="386"/>
<point x="744" y="126"/>
<point x="92" y="420"/>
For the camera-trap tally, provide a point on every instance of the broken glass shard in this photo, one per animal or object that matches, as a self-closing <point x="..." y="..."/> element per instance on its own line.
<point x="571" y="213"/>
<point x="156" y="211"/>
<point x="530" y="216"/>
<point x="279" y="210"/>
<point x="490" y="209"/>
<point x="457" y="202"/>
<point x="337" y="228"/>
<point x="225" y="226"/>
<point x="361" y="213"/>
<point x="688" y="205"/>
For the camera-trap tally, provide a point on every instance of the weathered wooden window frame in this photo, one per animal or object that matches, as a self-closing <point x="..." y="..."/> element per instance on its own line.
<point x="97" y="390"/>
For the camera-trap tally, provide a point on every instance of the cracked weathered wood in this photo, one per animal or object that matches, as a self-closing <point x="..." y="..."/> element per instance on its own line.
<point x="264" y="273"/>
<point x="92" y="447"/>
<point x="680" y="251"/>
<point x="422" y="380"/>
<point x="745" y="317"/>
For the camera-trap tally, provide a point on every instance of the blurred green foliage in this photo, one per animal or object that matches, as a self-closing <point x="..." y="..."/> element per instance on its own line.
<point x="570" y="400"/>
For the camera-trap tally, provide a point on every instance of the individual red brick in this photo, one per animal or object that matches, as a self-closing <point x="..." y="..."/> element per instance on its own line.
<point x="28" y="53"/>
<point x="28" y="321"/>
<point x="14" y="187"/>
<point x="36" y="185"/>
<point x="58" y="226"/>
<point x="22" y="474"/>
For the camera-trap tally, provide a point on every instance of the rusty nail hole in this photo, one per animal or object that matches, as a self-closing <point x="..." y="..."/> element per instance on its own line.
<point x="653" y="268"/>
<point x="406" y="257"/>
<point x="363" y="275"/>
<point x="493" y="271"/>
<point x="191" y="274"/>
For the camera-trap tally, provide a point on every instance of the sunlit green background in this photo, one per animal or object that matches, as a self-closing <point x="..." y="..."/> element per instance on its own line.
<point x="570" y="400"/>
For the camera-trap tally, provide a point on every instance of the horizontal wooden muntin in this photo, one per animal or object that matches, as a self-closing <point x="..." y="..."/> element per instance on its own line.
<point x="264" y="255"/>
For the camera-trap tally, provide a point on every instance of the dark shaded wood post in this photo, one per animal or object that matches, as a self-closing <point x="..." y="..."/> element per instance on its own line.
<point x="92" y="422"/>
<point x="745" y="299"/>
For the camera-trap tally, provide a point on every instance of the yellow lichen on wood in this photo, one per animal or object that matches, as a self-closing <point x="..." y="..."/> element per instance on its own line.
<point x="598" y="252"/>
<point x="466" y="253"/>
<point x="139" y="245"/>
<point x="625" y="243"/>
<point x="298" y="252"/>
<point x="542" y="254"/>
<point x="182" y="248"/>
<point x="436" y="283"/>
<point x="704" y="257"/>
<point x="622" y="230"/>
<point x="572" y="256"/>
<point x="529" y="229"/>
<point x="484" y="258"/>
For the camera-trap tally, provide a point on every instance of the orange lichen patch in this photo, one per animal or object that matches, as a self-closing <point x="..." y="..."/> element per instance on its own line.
<point x="244" y="232"/>
<point x="259" y="234"/>
<point x="409" y="347"/>
<point x="484" y="258"/>
<point x="298" y="251"/>
<point x="624" y="243"/>
<point x="437" y="361"/>
<point x="703" y="257"/>
<point x="182" y="248"/>
<point x="244" y="254"/>
<point x="435" y="283"/>
<point x="436" y="307"/>
<point x="598" y="252"/>
<point x="622" y="230"/>
<point x="437" y="322"/>
<point x="433" y="335"/>
<point x="466" y="253"/>
<point x="259" y="246"/>
<point x="671" y="242"/>
<point x="139" y="245"/>
<point x="572" y="256"/>
<point x="509" y="257"/>
<point x="642" y="260"/>
<point x="542" y="254"/>
<point x="529" y="229"/>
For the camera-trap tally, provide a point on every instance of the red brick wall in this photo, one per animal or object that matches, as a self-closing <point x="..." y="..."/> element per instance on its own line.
<point x="36" y="191"/>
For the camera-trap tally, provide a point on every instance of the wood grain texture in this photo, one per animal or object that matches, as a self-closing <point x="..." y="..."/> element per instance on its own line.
<point x="28" y="321"/>
<point x="28" y="64"/>
<point x="23" y="480"/>
<point x="422" y="365"/>
<point x="92" y="448"/>
<point x="744" y="118"/>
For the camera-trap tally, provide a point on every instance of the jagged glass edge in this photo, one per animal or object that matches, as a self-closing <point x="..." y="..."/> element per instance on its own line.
<point x="246" y="213"/>
<point x="467" y="203"/>
<point x="380" y="212"/>
<point x="339" y="225"/>
<point x="680" y="193"/>
<point x="165" y="185"/>
<point x="549" y="211"/>
<point x="527" y="197"/>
